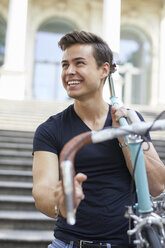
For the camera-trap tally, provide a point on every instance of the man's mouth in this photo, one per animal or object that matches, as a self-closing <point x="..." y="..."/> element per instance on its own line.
<point x="73" y="82"/>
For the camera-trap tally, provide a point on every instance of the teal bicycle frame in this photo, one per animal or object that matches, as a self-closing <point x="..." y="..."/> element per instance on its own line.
<point x="134" y="143"/>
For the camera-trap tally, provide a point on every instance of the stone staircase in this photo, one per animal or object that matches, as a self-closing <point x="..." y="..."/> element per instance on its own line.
<point x="21" y="225"/>
<point x="27" y="115"/>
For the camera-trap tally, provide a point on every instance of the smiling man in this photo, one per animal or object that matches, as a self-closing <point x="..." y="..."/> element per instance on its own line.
<point x="103" y="171"/>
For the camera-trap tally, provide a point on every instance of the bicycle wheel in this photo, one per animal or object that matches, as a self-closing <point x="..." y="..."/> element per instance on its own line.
<point x="152" y="237"/>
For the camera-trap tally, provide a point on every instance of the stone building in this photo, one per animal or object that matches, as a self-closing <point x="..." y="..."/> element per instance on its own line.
<point x="30" y="57"/>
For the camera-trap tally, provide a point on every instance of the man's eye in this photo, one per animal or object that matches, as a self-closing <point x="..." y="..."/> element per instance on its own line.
<point x="80" y="62"/>
<point x="64" y="65"/>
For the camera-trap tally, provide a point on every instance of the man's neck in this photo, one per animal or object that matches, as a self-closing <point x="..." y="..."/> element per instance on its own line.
<point x="92" y="113"/>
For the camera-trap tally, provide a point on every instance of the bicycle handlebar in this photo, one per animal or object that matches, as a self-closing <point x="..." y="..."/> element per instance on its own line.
<point x="71" y="148"/>
<point x="67" y="170"/>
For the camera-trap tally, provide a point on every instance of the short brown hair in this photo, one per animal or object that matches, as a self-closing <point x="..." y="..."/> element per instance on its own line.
<point x="101" y="51"/>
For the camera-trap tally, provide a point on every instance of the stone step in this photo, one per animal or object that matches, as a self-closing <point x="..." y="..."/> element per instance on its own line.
<point x="160" y="149"/>
<point x="159" y="143"/>
<point x="20" y="140"/>
<point x="158" y="135"/>
<point x="20" y="123"/>
<point x="15" y="188"/>
<point x="12" y="153"/>
<point x="17" y="202"/>
<point x="162" y="154"/>
<point x="16" y="164"/>
<point x="16" y="146"/>
<point x="12" y="133"/>
<point x="27" y="115"/>
<point x="25" y="238"/>
<point x="13" y="220"/>
<point x="15" y="175"/>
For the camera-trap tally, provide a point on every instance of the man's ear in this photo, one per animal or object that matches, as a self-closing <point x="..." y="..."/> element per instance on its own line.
<point x="105" y="70"/>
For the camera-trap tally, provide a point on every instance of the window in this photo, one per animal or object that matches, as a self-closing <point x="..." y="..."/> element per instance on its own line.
<point x="2" y="40"/>
<point x="47" y="70"/>
<point x="135" y="55"/>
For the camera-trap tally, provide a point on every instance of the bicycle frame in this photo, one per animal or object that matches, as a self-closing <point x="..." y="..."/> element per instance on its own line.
<point x="134" y="143"/>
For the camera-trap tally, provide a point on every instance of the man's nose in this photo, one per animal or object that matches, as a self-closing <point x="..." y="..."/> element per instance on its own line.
<point x="71" y="69"/>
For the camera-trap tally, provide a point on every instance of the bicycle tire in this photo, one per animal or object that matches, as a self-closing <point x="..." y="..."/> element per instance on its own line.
<point x="152" y="237"/>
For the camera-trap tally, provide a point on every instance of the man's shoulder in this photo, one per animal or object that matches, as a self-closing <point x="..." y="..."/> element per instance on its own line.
<point x="56" y="119"/>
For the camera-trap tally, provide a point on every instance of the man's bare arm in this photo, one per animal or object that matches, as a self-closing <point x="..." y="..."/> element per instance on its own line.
<point x="47" y="189"/>
<point x="45" y="179"/>
<point x="154" y="166"/>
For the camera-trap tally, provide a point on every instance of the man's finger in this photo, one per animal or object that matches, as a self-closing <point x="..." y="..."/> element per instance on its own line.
<point x="80" y="177"/>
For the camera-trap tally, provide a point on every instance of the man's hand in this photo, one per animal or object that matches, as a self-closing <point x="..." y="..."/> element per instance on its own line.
<point x="79" y="195"/>
<point x="117" y="114"/>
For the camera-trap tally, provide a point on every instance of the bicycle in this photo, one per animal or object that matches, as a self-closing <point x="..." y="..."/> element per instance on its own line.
<point x="148" y="225"/>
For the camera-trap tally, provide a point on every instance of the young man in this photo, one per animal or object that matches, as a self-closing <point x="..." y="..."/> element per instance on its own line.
<point x="103" y="171"/>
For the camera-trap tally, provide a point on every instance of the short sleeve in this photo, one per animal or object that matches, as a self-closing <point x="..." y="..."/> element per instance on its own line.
<point x="44" y="139"/>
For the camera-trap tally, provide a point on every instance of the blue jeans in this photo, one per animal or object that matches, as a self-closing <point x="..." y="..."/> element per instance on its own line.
<point x="56" y="243"/>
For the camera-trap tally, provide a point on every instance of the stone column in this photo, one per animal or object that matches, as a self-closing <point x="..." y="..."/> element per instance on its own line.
<point x="12" y="81"/>
<point x="161" y="90"/>
<point x="111" y="23"/>
<point x="111" y="34"/>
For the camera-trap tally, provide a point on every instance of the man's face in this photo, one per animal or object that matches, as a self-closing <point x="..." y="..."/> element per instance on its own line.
<point x="81" y="76"/>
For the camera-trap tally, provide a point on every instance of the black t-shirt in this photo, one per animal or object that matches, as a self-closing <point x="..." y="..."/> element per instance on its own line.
<point x="100" y="216"/>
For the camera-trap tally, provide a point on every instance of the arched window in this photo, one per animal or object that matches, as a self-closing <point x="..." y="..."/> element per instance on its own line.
<point x="135" y="55"/>
<point x="47" y="68"/>
<point x="2" y="40"/>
